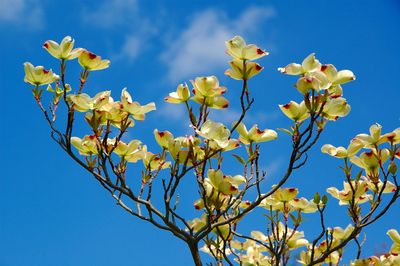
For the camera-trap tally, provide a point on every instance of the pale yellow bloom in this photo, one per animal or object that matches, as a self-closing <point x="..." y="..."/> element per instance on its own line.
<point x="255" y="134"/>
<point x="371" y="162"/>
<point x="395" y="236"/>
<point x="309" y="64"/>
<point x="38" y="75"/>
<point x="163" y="138"/>
<point x="83" y="102"/>
<point x="295" y="111"/>
<point x="341" y="152"/>
<point x="345" y="196"/>
<point x="128" y="151"/>
<point x="92" y="62"/>
<point x="152" y="161"/>
<point x="303" y="205"/>
<point x="335" y="108"/>
<point x="377" y="186"/>
<point x="238" y="49"/>
<point x="227" y="185"/>
<point x="207" y="86"/>
<point x="134" y="108"/>
<point x="215" y="102"/>
<point x="215" y="132"/>
<point x="182" y="94"/>
<point x="337" y="77"/>
<point x="375" y="136"/>
<point x="312" y="81"/>
<point x="63" y="50"/>
<point x="86" y="146"/>
<point x="243" y="71"/>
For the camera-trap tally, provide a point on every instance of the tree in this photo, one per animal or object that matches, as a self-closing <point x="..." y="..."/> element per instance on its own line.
<point x="369" y="161"/>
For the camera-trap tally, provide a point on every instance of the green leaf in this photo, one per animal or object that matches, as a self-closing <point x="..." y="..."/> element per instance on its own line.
<point x="240" y="159"/>
<point x="294" y="218"/>
<point x="358" y="176"/>
<point x="287" y="131"/>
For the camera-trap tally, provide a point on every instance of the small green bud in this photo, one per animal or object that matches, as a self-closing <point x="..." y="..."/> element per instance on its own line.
<point x="392" y="168"/>
<point x="317" y="198"/>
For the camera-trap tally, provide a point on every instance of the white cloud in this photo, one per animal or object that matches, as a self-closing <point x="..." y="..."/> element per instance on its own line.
<point x="26" y="13"/>
<point x="273" y="168"/>
<point x="124" y="14"/>
<point x="200" y="48"/>
<point x="228" y="116"/>
<point x="136" y="42"/>
<point x="175" y="112"/>
<point x="111" y="13"/>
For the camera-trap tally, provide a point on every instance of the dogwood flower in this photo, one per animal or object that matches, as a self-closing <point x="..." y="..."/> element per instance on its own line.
<point x="112" y="112"/>
<point x="395" y="236"/>
<point x="305" y="255"/>
<point x="341" y="152"/>
<point x="254" y="253"/>
<point x="241" y="71"/>
<point x="392" y="137"/>
<point x="335" y="108"/>
<point x="371" y="162"/>
<point x="295" y="111"/>
<point x="181" y="147"/>
<point x="134" y="108"/>
<point x="129" y="151"/>
<point x="345" y="196"/>
<point x="198" y="223"/>
<point x="254" y="134"/>
<point x="232" y="144"/>
<point x="38" y="75"/>
<point x="312" y="81"/>
<point x="227" y="185"/>
<point x="303" y="205"/>
<point x="63" y="50"/>
<point x="309" y="64"/>
<point x="216" y="248"/>
<point x="339" y="234"/>
<point x="215" y="102"/>
<point x="238" y="49"/>
<point x="315" y="76"/>
<point x="375" y="137"/>
<point x="337" y="77"/>
<point x="92" y="62"/>
<point x="293" y="241"/>
<point x="377" y="186"/>
<point x="215" y="132"/>
<point x="163" y="138"/>
<point x="285" y="194"/>
<point x="86" y="146"/>
<point x="83" y="102"/>
<point x="207" y="86"/>
<point x="181" y="95"/>
<point x="383" y="260"/>
<point x="152" y="161"/>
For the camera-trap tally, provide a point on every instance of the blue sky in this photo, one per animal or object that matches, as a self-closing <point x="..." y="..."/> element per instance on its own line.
<point x="53" y="213"/>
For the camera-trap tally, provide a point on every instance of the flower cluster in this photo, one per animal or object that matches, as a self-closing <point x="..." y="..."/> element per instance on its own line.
<point x="323" y="82"/>
<point x="223" y="199"/>
<point x="371" y="161"/>
<point x="242" y="67"/>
